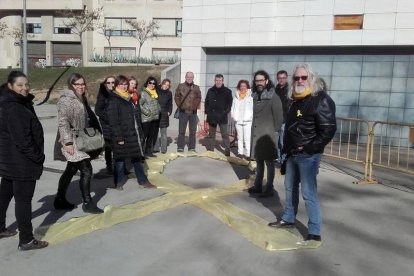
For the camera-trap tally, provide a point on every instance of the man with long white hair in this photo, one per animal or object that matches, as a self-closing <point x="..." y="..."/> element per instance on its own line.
<point x="310" y="125"/>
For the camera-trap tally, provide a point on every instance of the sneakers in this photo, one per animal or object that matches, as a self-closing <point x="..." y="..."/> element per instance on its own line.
<point x="7" y="233"/>
<point x="180" y="150"/>
<point x="149" y="185"/>
<point x="254" y="190"/>
<point x="192" y="150"/>
<point x="34" y="244"/>
<point x="281" y="224"/>
<point x="61" y="203"/>
<point x="90" y="207"/>
<point x="312" y="237"/>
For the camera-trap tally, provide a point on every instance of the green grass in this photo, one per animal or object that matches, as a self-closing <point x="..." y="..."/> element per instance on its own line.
<point x="42" y="78"/>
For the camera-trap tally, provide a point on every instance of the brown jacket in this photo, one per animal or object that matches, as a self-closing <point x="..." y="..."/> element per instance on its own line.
<point x="192" y="101"/>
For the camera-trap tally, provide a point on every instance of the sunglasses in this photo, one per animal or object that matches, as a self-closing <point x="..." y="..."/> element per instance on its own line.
<point x="151" y="82"/>
<point x="297" y="78"/>
<point x="109" y="82"/>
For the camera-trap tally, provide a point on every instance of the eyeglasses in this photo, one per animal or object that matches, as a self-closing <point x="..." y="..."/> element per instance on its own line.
<point x="109" y="82"/>
<point x="78" y="84"/>
<point x="261" y="80"/>
<point x="297" y="78"/>
<point x="152" y="82"/>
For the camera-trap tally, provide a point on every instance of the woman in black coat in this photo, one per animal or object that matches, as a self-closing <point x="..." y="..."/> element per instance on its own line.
<point x="126" y="133"/>
<point x="165" y="101"/>
<point x="101" y="107"/>
<point x="21" y="157"/>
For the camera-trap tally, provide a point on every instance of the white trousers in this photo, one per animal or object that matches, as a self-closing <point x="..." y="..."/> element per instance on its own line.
<point x="243" y="138"/>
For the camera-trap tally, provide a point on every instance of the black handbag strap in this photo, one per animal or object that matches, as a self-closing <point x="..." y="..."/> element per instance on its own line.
<point x="184" y="99"/>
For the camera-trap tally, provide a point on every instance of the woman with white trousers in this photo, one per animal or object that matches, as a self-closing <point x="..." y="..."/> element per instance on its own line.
<point x="242" y="115"/>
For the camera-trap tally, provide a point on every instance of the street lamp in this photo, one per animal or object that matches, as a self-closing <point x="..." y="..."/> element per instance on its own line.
<point x="24" y="39"/>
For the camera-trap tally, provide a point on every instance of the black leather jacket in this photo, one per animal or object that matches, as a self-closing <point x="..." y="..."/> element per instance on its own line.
<point x="311" y="124"/>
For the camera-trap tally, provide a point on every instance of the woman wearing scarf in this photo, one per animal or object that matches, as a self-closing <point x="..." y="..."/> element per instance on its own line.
<point x="126" y="133"/>
<point x="150" y="114"/>
<point x="74" y="113"/>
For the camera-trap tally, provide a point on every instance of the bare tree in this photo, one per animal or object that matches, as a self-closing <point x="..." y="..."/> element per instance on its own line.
<point x="16" y="33"/>
<point x="106" y="30"/>
<point x="81" y="21"/>
<point x="143" y="30"/>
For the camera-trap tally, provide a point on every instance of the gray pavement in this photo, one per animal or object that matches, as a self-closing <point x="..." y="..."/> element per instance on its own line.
<point x="367" y="229"/>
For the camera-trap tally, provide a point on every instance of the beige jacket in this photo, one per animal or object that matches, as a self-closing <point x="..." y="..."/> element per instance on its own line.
<point x="71" y="117"/>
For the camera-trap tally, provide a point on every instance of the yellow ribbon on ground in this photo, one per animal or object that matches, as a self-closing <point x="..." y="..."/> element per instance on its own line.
<point x="250" y="226"/>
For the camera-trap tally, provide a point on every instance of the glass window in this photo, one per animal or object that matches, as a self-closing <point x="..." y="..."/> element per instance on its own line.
<point x="62" y="30"/>
<point x="169" y="26"/>
<point x="34" y="28"/>
<point x="118" y="27"/>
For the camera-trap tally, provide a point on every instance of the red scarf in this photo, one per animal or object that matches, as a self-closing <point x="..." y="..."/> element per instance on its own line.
<point x="134" y="96"/>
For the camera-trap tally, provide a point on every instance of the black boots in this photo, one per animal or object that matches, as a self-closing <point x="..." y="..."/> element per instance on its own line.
<point x="90" y="207"/>
<point x="60" y="202"/>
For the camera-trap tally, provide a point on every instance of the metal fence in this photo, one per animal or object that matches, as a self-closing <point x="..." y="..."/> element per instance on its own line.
<point x="383" y="144"/>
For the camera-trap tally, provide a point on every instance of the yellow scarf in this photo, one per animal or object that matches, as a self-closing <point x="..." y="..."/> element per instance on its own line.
<point x="242" y="95"/>
<point x="298" y="96"/>
<point x="123" y="94"/>
<point x="153" y="93"/>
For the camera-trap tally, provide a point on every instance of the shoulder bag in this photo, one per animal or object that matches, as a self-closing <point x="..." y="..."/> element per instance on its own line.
<point x="89" y="139"/>
<point x="177" y="111"/>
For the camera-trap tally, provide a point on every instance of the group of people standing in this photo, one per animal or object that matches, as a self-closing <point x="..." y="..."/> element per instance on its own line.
<point x="128" y="120"/>
<point x="290" y="123"/>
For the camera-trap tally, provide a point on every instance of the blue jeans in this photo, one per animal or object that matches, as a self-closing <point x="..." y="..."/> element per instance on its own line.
<point x="282" y="156"/>
<point x="119" y="171"/>
<point x="303" y="168"/>
<point x="270" y="164"/>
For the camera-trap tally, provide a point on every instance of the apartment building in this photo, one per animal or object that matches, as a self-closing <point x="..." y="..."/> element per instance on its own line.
<point x="51" y="41"/>
<point x="364" y="49"/>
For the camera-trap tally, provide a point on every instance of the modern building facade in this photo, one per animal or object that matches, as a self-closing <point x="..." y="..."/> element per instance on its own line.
<point x="50" y="40"/>
<point x="364" y="49"/>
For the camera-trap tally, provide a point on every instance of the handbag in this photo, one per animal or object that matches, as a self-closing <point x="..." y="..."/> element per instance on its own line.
<point x="177" y="111"/>
<point x="89" y="139"/>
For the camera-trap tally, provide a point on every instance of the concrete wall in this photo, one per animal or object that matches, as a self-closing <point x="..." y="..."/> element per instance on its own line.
<point x="375" y="85"/>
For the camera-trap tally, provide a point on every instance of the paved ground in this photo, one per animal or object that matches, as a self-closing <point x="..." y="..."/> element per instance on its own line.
<point x="367" y="229"/>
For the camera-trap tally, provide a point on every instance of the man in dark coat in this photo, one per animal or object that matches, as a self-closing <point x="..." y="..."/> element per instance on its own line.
<point x="217" y="106"/>
<point x="267" y="120"/>
<point x="310" y="125"/>
<point x="21" y="157"/>
<point x="281" y="90"/>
